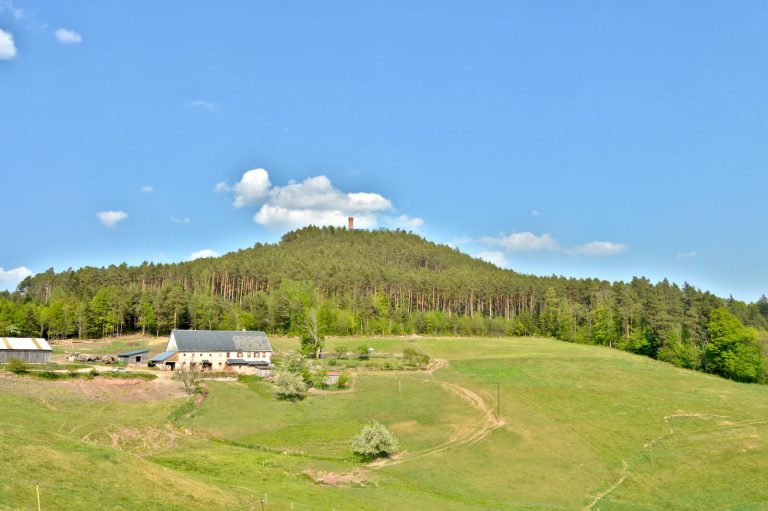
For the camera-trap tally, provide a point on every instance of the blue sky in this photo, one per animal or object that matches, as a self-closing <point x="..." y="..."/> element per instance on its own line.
<point x="604" y="139"/>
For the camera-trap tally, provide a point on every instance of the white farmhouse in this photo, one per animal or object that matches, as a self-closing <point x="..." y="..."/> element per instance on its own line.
<point x="217" y="350"/>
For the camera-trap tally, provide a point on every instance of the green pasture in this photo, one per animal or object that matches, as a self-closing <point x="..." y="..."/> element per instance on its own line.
<point x="584" y="428"/>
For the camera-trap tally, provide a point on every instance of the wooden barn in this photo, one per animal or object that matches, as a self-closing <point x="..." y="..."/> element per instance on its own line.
<point x="28" y="350"/>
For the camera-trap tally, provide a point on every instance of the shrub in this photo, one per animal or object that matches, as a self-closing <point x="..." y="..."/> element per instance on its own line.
<point x="374" y="441"/>
<point x="332" y="362"/>
<point x="289" y="386"/>
<point x="362" y="352"/>
<point x="343" y="381"/>
<point x="414" y="357"/>
<point x="16" y="366"/>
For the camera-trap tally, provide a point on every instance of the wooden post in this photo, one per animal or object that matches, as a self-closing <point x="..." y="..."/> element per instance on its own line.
<point x="37" y="490"/>
<point x="498" y="400"/>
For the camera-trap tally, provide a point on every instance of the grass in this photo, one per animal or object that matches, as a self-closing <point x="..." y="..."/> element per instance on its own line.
<point x="579" y="420"/>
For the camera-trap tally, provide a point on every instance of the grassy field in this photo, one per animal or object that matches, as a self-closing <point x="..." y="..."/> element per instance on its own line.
<point x="580" y="427"/>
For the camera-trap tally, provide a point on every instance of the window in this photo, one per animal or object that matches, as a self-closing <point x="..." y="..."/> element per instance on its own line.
<point x="227" y="354"/>
<point x="239" y="354"/>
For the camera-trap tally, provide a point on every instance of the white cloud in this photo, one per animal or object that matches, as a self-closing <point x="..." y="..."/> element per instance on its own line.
<point x="10" y="278"/>
<point x="7" y="46"/>
<point x="206" y="252"/>
<point x="251" y="189"/>
<point x="177" y="220"/>
<point x="222" y="186"/>
<point x="110" y="219"/>
<point x="522" y="242"/>
<point x="147" y="189"/>
<point x="687" y="255"/>
<point x="535" y="212"/>
<point x="493" y="256"/>
<point x="66" y="36"/>
<point x="405" y="222"/>
<point x="202" y="105"/>
<point x="17" y="12"/>
<point x="598" y="248"/>
<point x="314" y="201"/>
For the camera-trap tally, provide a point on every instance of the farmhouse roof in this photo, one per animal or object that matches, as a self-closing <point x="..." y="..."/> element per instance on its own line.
<point x="162" y="357"/>
<point x="24" y="344"/>
<point x="132" y="353"/>
<point x="220" y="340"/>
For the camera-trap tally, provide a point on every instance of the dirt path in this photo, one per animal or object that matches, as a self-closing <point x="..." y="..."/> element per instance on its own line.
<point x="622" y="476"/>
<point x="469" y="434"/>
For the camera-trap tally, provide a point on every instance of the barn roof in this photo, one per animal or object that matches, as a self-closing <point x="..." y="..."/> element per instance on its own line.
<point x="132" y="353"/>
<point x="162" y="357"/>
<point x="221" y="340"/>
<point x="24" y="343"/>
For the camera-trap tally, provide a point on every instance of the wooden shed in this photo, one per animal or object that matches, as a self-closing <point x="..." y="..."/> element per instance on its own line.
<point x="134" y="358"/>
<point x="28" y="350"/>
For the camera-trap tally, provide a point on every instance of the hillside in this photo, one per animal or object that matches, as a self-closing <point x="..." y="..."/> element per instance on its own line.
<point x="378" y="282"/>
<point x="606" y="429"/>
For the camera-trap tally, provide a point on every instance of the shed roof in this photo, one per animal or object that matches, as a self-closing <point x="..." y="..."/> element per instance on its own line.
<point x="241" y="362"/>
<point x="132" y="353"/>
<point x="24" y="343"/>
<point x="162" y="357"/>
<point x="221" y="340"/>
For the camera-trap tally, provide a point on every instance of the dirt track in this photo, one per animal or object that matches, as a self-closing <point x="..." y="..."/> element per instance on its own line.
<point x="469" y="433"/>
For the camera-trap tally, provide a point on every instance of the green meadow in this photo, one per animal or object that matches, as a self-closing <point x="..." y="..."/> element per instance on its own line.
<point x="579" y="427"/>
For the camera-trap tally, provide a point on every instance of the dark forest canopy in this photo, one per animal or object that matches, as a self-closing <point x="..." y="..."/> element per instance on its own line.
<point x="390" y="282"/>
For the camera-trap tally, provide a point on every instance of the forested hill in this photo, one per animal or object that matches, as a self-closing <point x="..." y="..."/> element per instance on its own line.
<point x="387" y="282"/>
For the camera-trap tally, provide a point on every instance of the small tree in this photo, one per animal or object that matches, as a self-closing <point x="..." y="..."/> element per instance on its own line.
<point x="16" y="366"/>
<point x="414" y="357"/>
<point x="374" y="441"/>
<point x="290" y="386"/>
<point x="191" y="378"/>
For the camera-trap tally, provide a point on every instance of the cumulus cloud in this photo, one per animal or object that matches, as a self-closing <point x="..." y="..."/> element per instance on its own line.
<point x="522" y="242"/>
<point x="314" y="201"/>
<point x="687" y="255"/>
<point x="147" y="189"/>
<point x="517" y="242"/>
<point x="66" y="36"/>
<point x="251" y="189"/>
<point x="110" y="219"/>
<point x="405" y="222"/>
<point x="177" y="220"/>
<point x="206" y="252"/>
<point x="493" y="256"/>
<point x="202" y="104"/>
<point x="7" y="46"/>
<point x="10" y="278"/>
<point x="598" y="248"/>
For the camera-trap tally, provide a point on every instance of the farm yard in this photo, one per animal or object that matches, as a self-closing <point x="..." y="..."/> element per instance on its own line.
<point x="606" y="429"/>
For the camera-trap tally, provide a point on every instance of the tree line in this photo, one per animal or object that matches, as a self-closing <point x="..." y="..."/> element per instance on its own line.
<point x="385" y="283"/>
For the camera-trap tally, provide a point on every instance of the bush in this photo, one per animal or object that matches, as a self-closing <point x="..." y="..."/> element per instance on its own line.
<point x="374" y="441"/>
<point x="332" y="362"/>
<point x="16" y="366"/>
<point x="414" y="357"/>
<point x="362" y="352"/>
<point x="343" y="381"/>
<point x="289" y="386"/>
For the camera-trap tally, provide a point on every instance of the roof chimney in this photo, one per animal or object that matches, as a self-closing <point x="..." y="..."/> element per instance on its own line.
<point x="351" y="221"/>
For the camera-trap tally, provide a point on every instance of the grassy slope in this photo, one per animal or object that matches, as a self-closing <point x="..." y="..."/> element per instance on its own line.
<point x="578" y="420"/>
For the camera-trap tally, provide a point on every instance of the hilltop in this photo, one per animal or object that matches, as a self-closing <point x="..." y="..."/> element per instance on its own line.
<point x="382" y="282"/>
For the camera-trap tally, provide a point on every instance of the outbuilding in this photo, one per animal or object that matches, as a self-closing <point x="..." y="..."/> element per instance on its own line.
<point x="134" y="358"/>
<point x="28" y="350"/>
